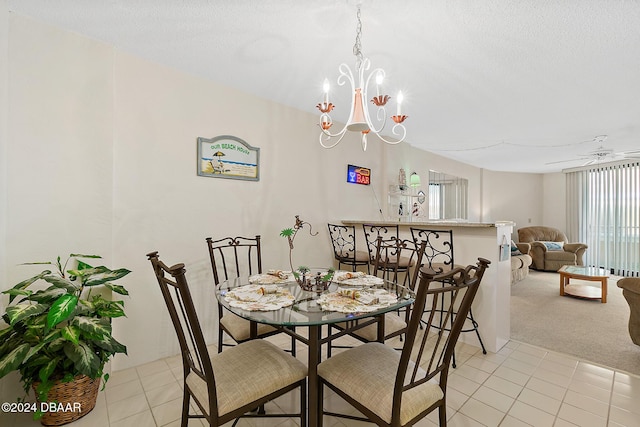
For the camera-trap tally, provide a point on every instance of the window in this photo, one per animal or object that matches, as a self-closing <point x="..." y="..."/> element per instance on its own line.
<point x="448" y="196"/>
<point x="603" y="211"/>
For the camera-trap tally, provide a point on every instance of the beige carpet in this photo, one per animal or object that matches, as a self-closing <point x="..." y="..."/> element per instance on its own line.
<point x="587" y="329"/>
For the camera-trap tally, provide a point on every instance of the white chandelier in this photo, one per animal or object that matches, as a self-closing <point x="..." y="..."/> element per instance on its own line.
<point x="359" y="118"/>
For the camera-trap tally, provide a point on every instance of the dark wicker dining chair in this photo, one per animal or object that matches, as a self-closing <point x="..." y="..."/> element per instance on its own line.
<point x="225" y="386"/>
<point x="232" y="257"/>
<point x="387" y="268"/>
<point x="393" y="388"/>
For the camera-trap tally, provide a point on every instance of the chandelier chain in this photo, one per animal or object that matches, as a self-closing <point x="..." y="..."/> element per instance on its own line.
<point x="357" y="47"/>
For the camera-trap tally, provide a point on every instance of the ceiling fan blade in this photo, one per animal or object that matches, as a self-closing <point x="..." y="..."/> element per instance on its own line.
<point x="562" y="161"/>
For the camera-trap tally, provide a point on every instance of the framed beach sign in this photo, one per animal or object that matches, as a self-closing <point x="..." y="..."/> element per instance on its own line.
<point x="227" y="156"/>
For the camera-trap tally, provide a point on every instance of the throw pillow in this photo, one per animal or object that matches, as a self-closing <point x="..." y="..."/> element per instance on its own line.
<point x="514" y="249"/>
<point x="553" y="246"/>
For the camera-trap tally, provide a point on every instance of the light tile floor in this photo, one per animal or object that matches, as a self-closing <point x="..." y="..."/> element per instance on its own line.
<point x="521" y="385"/>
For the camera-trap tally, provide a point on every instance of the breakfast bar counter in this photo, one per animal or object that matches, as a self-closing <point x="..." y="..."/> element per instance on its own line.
<point x="491" y="307"/>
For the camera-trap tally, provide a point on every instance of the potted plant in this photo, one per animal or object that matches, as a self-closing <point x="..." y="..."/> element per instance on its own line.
<point x="60" y="336"/>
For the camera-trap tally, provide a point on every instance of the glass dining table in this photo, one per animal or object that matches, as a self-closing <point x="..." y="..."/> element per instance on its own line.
<point x="285" y="305"/>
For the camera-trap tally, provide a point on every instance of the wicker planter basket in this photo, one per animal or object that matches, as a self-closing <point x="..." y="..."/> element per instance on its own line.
<point x="71" y="400"/>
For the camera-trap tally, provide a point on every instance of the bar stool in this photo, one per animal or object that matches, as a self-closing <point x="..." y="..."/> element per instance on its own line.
<point x="438" y="256"/>
<point x="343" y="239"/>
<point x="386" y="232"/>
<point x="371" y="234"/>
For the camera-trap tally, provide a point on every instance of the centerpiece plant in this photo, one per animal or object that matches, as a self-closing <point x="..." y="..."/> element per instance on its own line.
<point x="62" y="331"/>
<point x="300" y="273"/>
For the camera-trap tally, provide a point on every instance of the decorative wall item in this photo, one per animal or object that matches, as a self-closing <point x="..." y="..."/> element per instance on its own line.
<point x="358" y="175"/>
<point x="227" y="156"/>
<point x="402" y="179"/>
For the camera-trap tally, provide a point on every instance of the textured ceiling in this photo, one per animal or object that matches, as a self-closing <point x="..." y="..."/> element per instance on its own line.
<point x="504" y="85"/>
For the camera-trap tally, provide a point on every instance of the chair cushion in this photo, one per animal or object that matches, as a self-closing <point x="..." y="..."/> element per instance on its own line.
<point x="247" y="372"/>
<point x="360" y="256"/>
<point x="367" y="374"/>
<point x="404" y="262"/>
<point x="392" y="323"/>
<point x="238" y="327"/>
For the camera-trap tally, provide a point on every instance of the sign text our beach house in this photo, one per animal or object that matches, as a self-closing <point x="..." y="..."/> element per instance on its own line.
<point x="228" y="156"/>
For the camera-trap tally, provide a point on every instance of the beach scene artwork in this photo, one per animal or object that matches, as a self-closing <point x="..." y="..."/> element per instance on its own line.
<point x="228" y="157"/>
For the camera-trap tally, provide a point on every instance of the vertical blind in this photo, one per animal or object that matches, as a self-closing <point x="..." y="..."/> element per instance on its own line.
<point x="603" y="211"/>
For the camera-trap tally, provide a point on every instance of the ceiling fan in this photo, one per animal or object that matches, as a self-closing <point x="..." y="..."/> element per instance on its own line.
<point x="601" y="154"/>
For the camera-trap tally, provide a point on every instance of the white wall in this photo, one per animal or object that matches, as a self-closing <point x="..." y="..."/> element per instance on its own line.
<point x="514" y="197"/>
<point x="4" y="108"/>
<point x="59" y="156"/>
<point x="161" y="204"/>
<point x="9" y="384"/>
<point x="101" y="158"/>
<point x="554" y="202"/>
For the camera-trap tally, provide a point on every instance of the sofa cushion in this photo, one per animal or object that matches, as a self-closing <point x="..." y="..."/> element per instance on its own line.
<point x="561" y="256"/>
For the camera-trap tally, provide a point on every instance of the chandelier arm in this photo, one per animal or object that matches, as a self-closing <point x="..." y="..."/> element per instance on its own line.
<point x="380" y="111"/>
<point x="332" y="135"/>
<point x="375" y="72"/>
<point x="345" y="73"/>
<point x="325" y="133"/>
<point x="362" y="67"/>
<point x="403" y="132"/>
<point x="381" y="118"/>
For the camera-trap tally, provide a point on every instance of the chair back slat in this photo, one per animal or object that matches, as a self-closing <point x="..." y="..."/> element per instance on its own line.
<point x="343" y="240"/>
<point x="193" y="348"/>
<point x="438" y="252"/>
<point x="447" y="293"/>
<point x="344" y="243"/>
<point x="233" y="257"/>
<point x="372" y="232"/>
<point x="398" y="260"/>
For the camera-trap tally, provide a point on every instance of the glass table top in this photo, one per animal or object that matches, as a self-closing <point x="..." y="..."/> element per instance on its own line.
<point x="306" y="309"/>
<point x="579" y="270"/>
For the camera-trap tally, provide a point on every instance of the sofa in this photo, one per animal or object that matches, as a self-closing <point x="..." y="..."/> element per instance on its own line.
<point x="520" y="261"/>
<point x="550" y="248"/>
<point x="631" y="290"/>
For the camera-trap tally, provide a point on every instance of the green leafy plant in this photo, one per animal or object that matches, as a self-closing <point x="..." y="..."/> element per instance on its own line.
<point x="64" y="330"/>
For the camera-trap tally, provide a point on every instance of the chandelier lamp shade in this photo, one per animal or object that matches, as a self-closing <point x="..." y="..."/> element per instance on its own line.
<point x="360" y="119"/>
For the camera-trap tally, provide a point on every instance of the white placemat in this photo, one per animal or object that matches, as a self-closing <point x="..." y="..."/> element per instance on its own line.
<point x="356" y="300"/>
<point x="259" y="297"/>
<point x="356" y="278"/>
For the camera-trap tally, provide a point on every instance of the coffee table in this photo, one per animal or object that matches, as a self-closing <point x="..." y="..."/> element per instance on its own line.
<point x="592" y="274"/>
